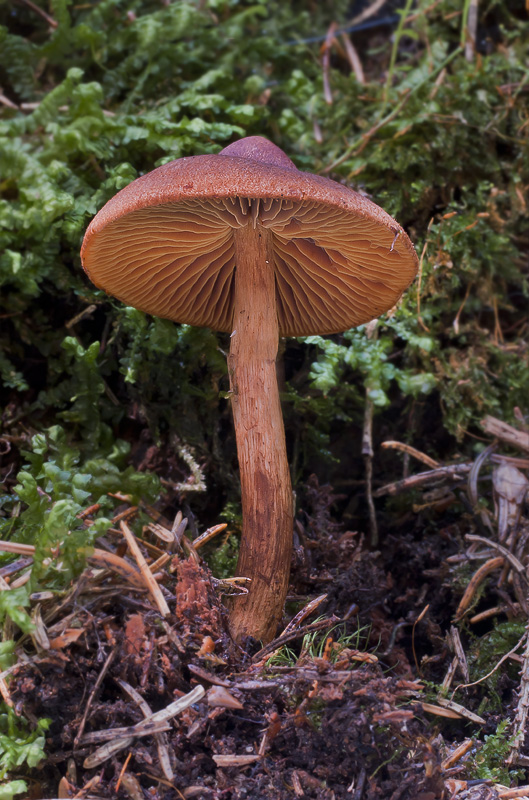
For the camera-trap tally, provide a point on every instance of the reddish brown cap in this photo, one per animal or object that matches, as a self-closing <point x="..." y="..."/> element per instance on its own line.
<point x="164" y="244"/>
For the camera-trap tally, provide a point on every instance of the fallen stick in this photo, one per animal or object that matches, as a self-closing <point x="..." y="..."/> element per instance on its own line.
<point x="500" y="429"/>
<point x="452" y="472"/>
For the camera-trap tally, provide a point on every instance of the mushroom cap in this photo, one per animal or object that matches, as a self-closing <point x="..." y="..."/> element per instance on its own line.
<point x="165" y="242"/>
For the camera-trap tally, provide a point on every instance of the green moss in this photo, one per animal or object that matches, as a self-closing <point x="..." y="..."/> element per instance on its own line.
<point x="111" y="92"/>
<point x="488" y="761"/>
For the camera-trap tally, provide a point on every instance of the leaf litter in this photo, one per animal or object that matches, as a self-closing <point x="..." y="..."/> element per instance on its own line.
<point x="146" y="692"/>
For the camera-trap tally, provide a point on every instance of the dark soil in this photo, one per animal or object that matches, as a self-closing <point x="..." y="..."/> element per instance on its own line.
<point x="335" y="710"/>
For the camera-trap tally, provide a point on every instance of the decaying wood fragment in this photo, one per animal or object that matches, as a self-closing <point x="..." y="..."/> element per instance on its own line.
<point x="296" y="784"/>
<point x="231" y="587"/>
<point x="16" y="566"/>
<point x="172" y="535"/>
<point x="521" y="792"/>
<point x="173" y="637"/>
<point x="501" y="430"/>
<point x="235" y="761"/>
<point x="16" y="547"/>
<point x="20" y="581"/>
<point x="131" y="785"/>
<point x="460" y="653"/>
<point x="220" y="697"/>
<point x="210" y="677"/>
<point x="522" y="708"/>
<point x="449" y="676"/>
<point x="455" y="787"/>
<point x="453" y="472"/>
<point x="39" y="634"/>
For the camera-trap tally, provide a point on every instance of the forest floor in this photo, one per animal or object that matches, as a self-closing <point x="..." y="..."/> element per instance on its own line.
<point x="402" y="670"/>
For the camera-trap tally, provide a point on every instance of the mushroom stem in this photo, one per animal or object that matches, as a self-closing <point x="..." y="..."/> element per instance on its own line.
<point x="266" y="544"/>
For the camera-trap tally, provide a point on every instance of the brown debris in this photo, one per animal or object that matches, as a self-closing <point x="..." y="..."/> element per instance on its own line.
<point x="220" y="697"/>
<point x="197" y="609"/>
<point x="505" y="432"/>
<point x="333" y="709"/>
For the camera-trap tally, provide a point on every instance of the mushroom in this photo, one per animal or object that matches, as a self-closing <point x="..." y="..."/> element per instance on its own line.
<point x="244" y="242"/>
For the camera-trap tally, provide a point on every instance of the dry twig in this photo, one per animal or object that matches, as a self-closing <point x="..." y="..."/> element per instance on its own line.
<point x="505" y="432"/>
<point x="460" y="653"/>
<point x="453" y="472"/>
